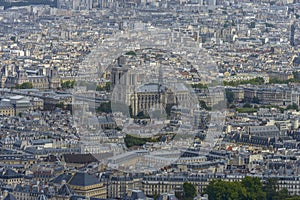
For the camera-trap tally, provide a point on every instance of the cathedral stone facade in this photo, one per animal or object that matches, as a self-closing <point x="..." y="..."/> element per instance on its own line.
<point x="10" y="77"/>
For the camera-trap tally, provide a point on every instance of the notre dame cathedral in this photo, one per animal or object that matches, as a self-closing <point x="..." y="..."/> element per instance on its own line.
<point x="42" y="78"/>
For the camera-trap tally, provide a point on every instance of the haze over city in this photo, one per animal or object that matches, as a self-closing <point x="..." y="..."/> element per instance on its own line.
<point x="149" y="99"/>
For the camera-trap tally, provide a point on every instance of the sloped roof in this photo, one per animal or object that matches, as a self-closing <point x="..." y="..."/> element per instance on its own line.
<point x="62" y="177"/>
<point x="9" y="173"/>
<point x="79" y="158"/>
<point x="137" y="194"/>
<point x="83" y="179"/>
<point x="65" y="190"/>
<point x="10" y="197"/>
<point x="151" y="87"/>
<point x="76" y="197"/>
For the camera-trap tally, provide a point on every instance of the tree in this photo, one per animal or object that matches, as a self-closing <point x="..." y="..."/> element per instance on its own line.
<point x="131" y="140"/>
<point x="253" y="187"/>
<point x="106" y="87"/>
<point x="131" y="53"/>
<point x="293" y="198"/>
<point x="13" y="38"/>
<point x="156" y="196"/>
<point x="26" y="85"/>
<point x="200" y="86"/>
<point x="229" y="96"/>
<point x="104" y="107"/>
<point x="142" y="115"/>
<point x="296" y="75"/>
<point x="294" y="106"/>
<point x="281" y="194"/>
<point x="250" y="188"/>
<point x="254" y="81"/>
<point x="68" y="84"/>
<point x="255" y="100"/>
<point x="203" y="105"/>
<point x="60" y="105"/>
<point x="270" y="188"/>
<point x="189" y="191"/>
<point x="247" y="105"/>
<point x="224" y="190"/>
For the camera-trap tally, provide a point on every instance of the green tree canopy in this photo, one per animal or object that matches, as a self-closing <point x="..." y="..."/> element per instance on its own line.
<point x="293" y="198"/>
<point x="250" y="188"/>
<point x="223" y="190"/>
<point x="131" y="53"/>
<point x="254" y="81"/>
<point x="229" y="96"/>
<point x="26" y="85"/>
<point x="106" y="87"/>
<point x="67" y="84"/>
<point x="253" y="187"/>
<point x="132" y="140"/>
<point x="189" y="191"/>
<point x="270" y="187"/>
<point x="199" y="85"/>
<point x="294" y="106"/>
<point x="203" y="105"/>
<point x="104" y="107"/>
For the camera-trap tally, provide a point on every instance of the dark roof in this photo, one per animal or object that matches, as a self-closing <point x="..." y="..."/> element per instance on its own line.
<point x="77" y="197"/>
<point x="65" y="190"/>
<point x="62" y="177"/>
<point x="83" y="179"/>
<point x="254" y="140"/>
<point x="10" y="197"/>
<point x="51" y="158"/>
<point x="25" y="188"/>
<point x="137" y="194"/>
<point x="79" y="158"/>
<point x="296" y="60"/>
<point x="9" y="173"/>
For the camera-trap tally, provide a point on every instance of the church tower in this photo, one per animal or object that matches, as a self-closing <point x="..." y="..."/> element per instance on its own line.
<point x="54" y="79"/>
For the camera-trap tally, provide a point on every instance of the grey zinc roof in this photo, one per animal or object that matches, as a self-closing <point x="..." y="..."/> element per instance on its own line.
<point x="263" y="128"/>
<point x="62" y="177"/>
<point x="10" y="197"/>
<point x="5" y="104"/>
<point x="137" y="194"/>
<point x="83" y="179"/>
<point x="9" y="173"/>
<point x="151" y="87"/>
<point x="65" y="190"/>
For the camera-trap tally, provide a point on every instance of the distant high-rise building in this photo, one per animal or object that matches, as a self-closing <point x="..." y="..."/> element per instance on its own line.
<point x="292" y="35"/>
